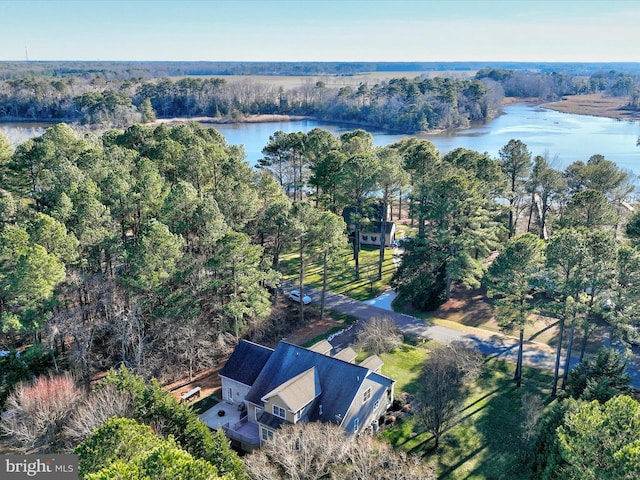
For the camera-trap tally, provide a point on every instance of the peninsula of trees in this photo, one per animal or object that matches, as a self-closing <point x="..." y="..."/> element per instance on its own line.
<point x="118" y="95"/>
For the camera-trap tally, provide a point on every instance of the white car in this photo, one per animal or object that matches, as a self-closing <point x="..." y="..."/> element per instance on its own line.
<point x="295" y="296"/>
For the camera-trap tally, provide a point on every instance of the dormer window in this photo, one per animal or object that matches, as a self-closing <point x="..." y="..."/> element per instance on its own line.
<point x="279" y="412"/>
<point x="367" y="395"/>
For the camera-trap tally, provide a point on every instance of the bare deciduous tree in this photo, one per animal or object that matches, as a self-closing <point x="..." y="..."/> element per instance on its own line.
<point x="304" y="451"/>
<point x="379" y="335"/>
<point x="37" y="411"/>
<point x="127" y="343"/>
<point x="307" y="451"/>
<point x="442" y="383"/>
<point x="532" y="408"/>
<point x="98" y="407"/>
<point x="370" y="459"/>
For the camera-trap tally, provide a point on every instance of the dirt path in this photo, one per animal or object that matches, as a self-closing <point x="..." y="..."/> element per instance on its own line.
<point x="209" y="380"/>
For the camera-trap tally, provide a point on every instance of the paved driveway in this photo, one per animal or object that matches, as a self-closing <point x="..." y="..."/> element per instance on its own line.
<point x="491" y="344"/>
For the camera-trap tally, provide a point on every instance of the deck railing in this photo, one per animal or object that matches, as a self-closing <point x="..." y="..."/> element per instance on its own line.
<point x="233" y="433"/>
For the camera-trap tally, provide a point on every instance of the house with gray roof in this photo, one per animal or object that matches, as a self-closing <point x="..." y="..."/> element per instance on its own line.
<point x="371" y="229"/>
<point x="291" y="384"/>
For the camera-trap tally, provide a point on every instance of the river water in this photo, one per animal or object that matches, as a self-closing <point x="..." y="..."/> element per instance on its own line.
<point x="564" y="136"/>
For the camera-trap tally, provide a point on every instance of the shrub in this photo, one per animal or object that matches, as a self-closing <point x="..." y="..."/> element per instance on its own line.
<point x="122" y="448"/>
<point x="155" y="406"/>
<point x="37" y="411"/>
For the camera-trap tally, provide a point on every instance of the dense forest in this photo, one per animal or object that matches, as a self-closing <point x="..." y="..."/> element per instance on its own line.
<point x="121" y="97"/>
<point x="154" y="247"/>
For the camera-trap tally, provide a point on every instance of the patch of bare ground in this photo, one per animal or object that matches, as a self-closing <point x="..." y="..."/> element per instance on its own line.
<point x="285" y="313"/>
<point x="468" y="307"/>
<point x="597" y="105"/>
<point x="207" y="380"/>
<point x="472" y="309"/>
<point x="311" y="330"/>
<point x="516" y="100"/>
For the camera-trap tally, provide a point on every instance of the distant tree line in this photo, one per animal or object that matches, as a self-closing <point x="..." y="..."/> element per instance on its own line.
<point x="551" y="86"/>
<point x="401" y="104"/>
<point x="122" y="70"/>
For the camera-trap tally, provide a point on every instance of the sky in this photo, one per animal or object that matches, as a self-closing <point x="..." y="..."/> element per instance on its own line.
<point x="321" y="30"/>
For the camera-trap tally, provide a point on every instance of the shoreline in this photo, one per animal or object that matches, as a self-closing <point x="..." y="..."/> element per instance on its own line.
<point x="595" y="105"/>
<point x="259" y="118"/>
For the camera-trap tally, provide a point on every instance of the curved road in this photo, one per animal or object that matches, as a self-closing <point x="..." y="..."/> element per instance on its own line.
<point x="491" y="344"/>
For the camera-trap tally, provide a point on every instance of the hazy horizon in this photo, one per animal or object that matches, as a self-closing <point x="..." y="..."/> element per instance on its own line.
<point x="321" y="31"/>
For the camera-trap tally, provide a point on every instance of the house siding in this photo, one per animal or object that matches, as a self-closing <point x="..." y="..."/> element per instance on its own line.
<point x="276" y="400"/>
<point x="251" y="412"/>
<point x="373" y="238"/>
<point x="366" y="412"/>
<point x="239" y="390"/>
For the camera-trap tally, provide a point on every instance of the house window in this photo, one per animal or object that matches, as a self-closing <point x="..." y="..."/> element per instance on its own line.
<point x="365" y="237"/>
<point x="367" y="395"/>
<point x="376" y="405"/>
<point x="279" y="412"/>
<point x="373" y="239"/>
<point x="266" y="434"/>
<point x="230" y="394"/>
<point x="356" y="424"/>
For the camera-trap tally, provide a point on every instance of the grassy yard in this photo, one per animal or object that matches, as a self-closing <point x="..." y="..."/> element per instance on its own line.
<point x="205" y="404"/>
<point x="485" y="442"/>
<point x="404" y="365"/>
<point x="341" y="277"/>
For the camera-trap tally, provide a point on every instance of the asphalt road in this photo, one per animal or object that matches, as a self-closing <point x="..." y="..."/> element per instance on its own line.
<point x="488" y="343"/>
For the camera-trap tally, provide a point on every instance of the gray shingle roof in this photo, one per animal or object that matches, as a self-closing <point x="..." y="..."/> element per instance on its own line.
<point x="323" y="346"/>
<point x="246" y="362"/>
<point x="271" y="421"/>
<point x="299" y="391"/>
<point x="374" y="227"/>
<point x="373" y="362"/>
<point x="347" y="354"/>
<point x="339" y="380"/>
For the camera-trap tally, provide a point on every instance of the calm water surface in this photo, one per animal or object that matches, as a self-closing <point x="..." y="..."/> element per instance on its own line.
<point x="565" y="136"/>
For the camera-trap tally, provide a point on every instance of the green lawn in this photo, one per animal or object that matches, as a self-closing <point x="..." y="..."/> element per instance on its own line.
<point x="205" y="404"/>
<point x="341" y="277"/>
<point x="404" y="365"/>
<point x="485" y="443"/>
